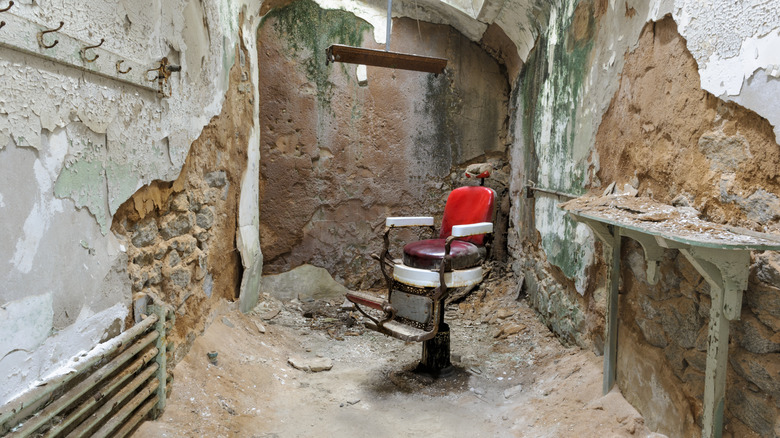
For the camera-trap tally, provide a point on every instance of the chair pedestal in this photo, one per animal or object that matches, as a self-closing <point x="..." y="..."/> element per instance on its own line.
<point x="436" y="353"/>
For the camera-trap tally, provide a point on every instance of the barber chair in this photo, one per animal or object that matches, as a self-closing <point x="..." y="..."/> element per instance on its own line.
<point x="419" y="283"/>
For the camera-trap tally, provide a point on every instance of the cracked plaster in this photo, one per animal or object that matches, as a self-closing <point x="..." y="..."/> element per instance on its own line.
<point x="736" y="47"/>
<point x="76" y="146"/>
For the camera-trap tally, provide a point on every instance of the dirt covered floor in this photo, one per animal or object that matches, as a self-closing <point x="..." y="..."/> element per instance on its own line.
<point x="512" y="378"/>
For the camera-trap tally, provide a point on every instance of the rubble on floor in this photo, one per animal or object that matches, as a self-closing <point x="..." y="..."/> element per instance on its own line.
<point x="512" y="377"/>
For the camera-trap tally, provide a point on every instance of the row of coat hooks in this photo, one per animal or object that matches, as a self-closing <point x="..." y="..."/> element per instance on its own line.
<point x="160" y="74"/>
<point x="11" y="3"/>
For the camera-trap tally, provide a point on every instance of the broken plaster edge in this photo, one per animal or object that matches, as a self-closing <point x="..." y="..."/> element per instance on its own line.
<point x="248" y="230"/>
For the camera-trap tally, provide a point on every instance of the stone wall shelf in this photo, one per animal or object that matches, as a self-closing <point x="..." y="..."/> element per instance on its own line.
<point x="721" y="254"/>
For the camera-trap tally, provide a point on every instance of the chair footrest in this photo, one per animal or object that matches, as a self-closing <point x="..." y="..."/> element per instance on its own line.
<point x="402" y="331"/>
<point x="366" y="299"/>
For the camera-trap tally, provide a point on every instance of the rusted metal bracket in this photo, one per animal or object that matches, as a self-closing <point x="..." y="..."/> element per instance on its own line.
<point x="530" y="188"/>
<point x="162" y="74"/>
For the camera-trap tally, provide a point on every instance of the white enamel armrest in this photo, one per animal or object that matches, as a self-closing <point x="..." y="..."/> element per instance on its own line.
<point x="472" y="229"/>
<point x="411" y="221"/>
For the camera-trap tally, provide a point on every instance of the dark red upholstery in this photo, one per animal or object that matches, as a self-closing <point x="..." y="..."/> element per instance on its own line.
<point x="468" y="205"/>
<point x="428" y="254"/>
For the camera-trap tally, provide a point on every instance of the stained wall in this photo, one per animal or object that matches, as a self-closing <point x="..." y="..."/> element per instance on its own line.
<point x="643" y="94"/>
<point x="339" y="157"/>
<point x="75" y="146"/>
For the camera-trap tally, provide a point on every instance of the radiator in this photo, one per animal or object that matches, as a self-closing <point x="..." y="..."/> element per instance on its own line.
<point x="114" y="387"/>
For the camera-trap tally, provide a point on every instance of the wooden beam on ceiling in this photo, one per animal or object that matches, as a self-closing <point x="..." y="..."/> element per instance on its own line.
<point x="381" y="58"/>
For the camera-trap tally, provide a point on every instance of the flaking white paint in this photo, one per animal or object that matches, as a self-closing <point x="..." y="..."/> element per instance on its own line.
<point x="50" y="112"/>
<point x="731" y="41"/>
<point x="41" y="356"/>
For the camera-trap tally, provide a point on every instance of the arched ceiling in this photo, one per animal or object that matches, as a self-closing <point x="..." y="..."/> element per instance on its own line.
<point x="520" y="20"/>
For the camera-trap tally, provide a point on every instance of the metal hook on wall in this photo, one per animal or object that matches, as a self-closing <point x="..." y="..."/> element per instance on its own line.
<point x="44" y="32"/>
<point x="11" y="3"/>
<point x="162" y="73"/>
<point x="83" y="51"/>
<point x="119" y="67"/>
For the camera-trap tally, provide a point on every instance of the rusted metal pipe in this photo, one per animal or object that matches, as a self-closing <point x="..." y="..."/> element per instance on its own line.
<point x="117" y="419"/>
<point x="136" y="418"/>
<point x="530" y="189"/>
<point x="85" y="427"/>
<point x="108" y="388"/>
<point x="389" y="24"/>
<point x="74" y="394"/>
<point x="142" y="412"/>
<point x="10" y="412"/>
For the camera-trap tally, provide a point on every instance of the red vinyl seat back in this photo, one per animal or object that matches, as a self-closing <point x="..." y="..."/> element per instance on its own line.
<point x="468" y="205"/>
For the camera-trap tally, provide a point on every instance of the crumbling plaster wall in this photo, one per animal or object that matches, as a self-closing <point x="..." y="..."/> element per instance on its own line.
<point x="562" y="141"/>
<point x="340" y="157"/>
<point x="723" y="160"/>
<point x="75" y="146"/>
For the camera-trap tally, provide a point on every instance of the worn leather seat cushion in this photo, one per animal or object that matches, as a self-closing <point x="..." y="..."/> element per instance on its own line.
<point x="428" y="254"/>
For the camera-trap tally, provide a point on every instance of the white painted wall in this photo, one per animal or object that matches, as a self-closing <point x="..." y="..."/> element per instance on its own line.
<point x="75" y="146"/>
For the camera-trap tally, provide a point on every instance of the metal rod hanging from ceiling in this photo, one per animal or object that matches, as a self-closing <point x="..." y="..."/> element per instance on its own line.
<point x="389" y="24"/>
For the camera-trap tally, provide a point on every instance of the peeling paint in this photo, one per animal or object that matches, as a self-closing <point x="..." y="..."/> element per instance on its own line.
<point x="308" y="31"/>
<point x="37" y="222"/>
<point x="31" y="361"/>
<point x="85" y="144"/>
<point x="562" y="69"/>
<point x="731" y="41"/>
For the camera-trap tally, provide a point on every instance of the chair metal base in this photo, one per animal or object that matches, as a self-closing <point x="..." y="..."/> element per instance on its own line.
<point x="435" y="360"/>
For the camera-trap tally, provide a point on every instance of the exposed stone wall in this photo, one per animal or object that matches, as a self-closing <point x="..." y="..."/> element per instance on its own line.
<point x="181" y="235"/>
<point x="679" y="144"/>
<point x="338" y="157"/>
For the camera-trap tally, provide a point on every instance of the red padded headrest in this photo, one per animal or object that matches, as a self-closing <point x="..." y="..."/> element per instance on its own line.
<point x="468" y="205"/>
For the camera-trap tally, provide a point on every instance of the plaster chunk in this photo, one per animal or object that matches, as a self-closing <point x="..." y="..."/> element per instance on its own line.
<point x="304" y="283"/>
<point x="313" y="364"/>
